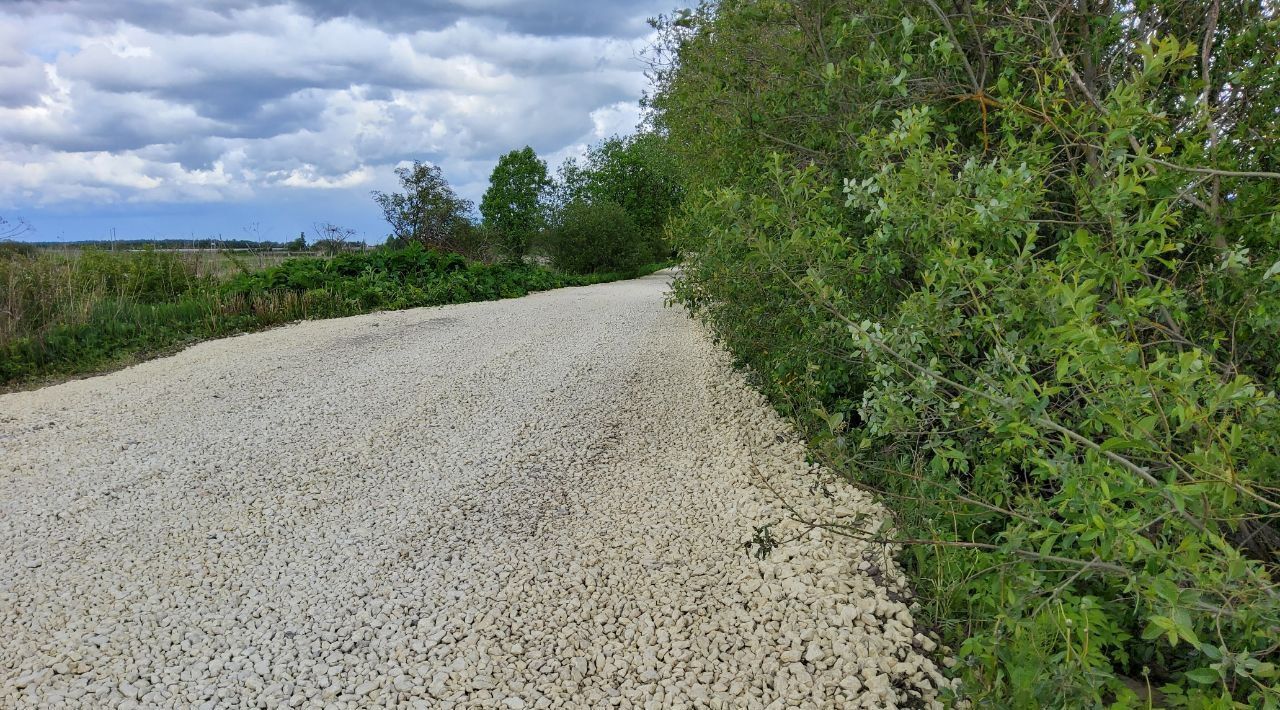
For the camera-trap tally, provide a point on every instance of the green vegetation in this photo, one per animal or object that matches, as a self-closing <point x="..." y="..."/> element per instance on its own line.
<point x="514" y="206"/>
<point x="68" y="314"/>
<point x="428" y="212"/>
<point x="637" y="173"/>
<point x="604" y="213"/>
<point x="1017" y="267"/>
<point x="595" y="236"/>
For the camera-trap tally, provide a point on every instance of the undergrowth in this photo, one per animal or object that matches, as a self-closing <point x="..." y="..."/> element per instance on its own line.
<point x="1016" y="267"/>
<point x="65" y="315"/>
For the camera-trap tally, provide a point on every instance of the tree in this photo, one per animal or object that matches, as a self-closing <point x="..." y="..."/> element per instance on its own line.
<point x="637" y="172"/>
<point x="428" y="211"/>
<point x="332" y="238"/>
<point x="514" y="206"/>
<point x="593" y="237"/>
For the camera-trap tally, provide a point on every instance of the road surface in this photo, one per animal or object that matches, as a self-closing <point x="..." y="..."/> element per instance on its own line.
<point x="530" y="503"/>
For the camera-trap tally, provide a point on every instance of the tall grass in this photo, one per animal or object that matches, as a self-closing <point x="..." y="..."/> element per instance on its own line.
<point x="71" y="313"/>
<point x="42" y="290"/>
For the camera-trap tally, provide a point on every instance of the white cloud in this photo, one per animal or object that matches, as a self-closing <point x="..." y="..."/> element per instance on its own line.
<point x="160" y="101"/>
<point x="617" y="118"/>
<point x="306" y="176"/>
<point x="41" y="177"/>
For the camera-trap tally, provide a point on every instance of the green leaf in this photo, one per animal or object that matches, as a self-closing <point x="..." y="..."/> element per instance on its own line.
<point x="1117" y="442"/>
<point x="1205" y="676"/>
<point x="1182" y="623"/>
<point x="1265" y="670"/>
<point x="1155" y="628"/>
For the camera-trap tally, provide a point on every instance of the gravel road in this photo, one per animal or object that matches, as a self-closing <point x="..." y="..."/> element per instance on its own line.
<point x="539" y="502"/>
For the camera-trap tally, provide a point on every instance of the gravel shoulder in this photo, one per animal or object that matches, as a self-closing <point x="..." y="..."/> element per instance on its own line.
<point x="538" y="502"/>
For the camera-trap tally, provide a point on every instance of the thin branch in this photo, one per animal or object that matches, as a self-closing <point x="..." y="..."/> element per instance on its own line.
<point x="1211" y="171"/>
<point x="973" y="77"/>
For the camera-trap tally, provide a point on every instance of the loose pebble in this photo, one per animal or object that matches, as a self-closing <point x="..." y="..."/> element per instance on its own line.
<point x="532" y="503"/>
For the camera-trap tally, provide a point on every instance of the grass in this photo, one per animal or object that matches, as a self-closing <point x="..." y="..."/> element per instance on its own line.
<point x="69" y="314"/>
<point x="214" y="263"/>
<point x="225" y="264"/>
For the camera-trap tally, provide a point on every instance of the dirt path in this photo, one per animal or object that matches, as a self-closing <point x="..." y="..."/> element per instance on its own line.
<point x="539" y="502"/>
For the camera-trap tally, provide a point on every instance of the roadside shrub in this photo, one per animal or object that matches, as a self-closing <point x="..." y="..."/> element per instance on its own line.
<point x="1016" y="266"/>
<point x="479" y="243"/>
<point x="591" y="237"/>
<point x="67" y="314"/>
<point x="638" y="172"/>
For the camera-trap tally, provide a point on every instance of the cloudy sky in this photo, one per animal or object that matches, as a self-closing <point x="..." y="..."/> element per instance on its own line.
<point x="171" y="118"/>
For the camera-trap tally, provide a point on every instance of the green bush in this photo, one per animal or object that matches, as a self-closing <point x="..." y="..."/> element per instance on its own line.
<point x="84" y="313"/>
<point x="1014" y="266"/>
<point x="639" y="173"/>
<point x="401" y="278"/>
<point x="591" y="237"/>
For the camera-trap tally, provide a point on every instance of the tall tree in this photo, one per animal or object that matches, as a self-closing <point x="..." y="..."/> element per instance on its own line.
<point x="428" y="211"/>
<point x="514" y="206"/>
<point x="637" y="172"/>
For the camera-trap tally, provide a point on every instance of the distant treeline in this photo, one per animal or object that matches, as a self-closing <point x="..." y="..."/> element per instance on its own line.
<point x="209" y="243"/>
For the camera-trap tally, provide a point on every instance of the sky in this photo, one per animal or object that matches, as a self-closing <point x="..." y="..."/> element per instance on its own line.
<point x="257" y="119"/>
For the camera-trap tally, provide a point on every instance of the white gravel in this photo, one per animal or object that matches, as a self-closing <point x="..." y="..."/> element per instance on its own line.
<point x="531" y="503"/>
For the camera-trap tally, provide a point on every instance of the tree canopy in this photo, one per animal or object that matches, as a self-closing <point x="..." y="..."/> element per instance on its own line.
<point x="638" y="173"/>
<point x="428" y="211"/>
<point x="514" y="206"/>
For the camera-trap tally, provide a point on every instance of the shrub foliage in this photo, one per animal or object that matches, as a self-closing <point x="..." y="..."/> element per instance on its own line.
<point x="637" y="173"/>
<point x="1014" y="265"/>
<point x="63" y="315"/>
<point x="591" y="237"/>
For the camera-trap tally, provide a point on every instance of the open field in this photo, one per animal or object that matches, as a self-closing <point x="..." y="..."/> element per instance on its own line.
<point x="538" y="502"/>
<point x="224" y="263"/>
<point x="211" y="263"/>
